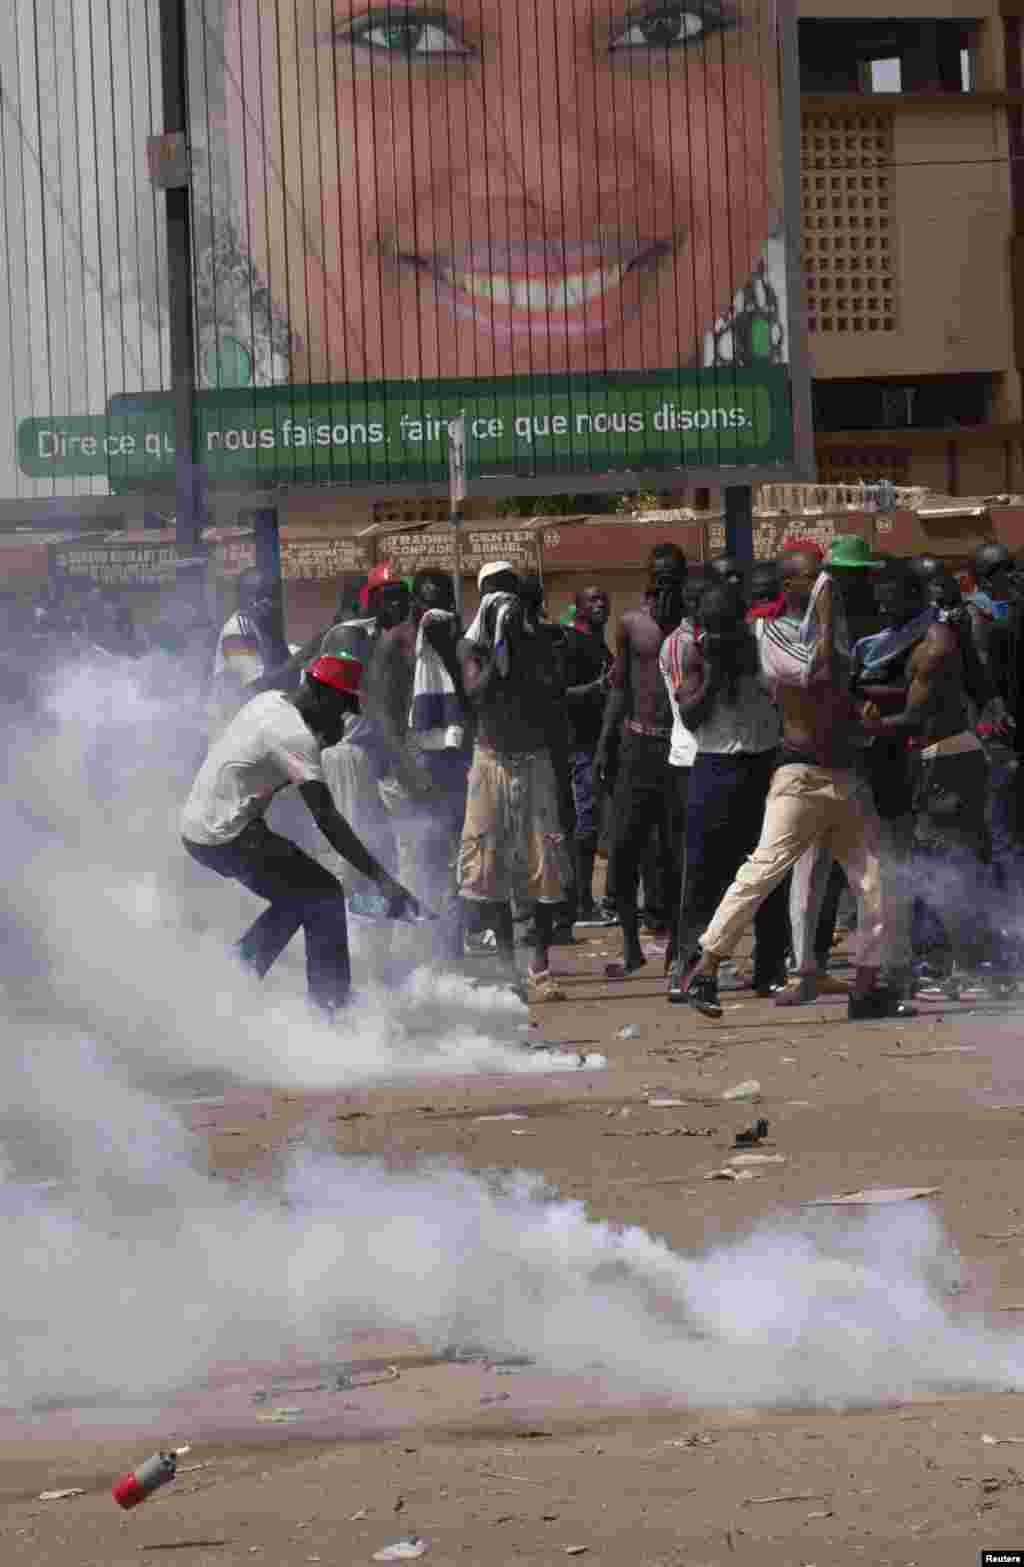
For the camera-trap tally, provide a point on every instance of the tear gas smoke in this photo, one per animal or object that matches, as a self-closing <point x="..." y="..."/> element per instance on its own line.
<point x="130" y="1245"/>
<point x="117" y="992"/>
<point x="116" y="934"/>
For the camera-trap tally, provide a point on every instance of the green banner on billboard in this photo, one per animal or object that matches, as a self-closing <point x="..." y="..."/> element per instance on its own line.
<point x="396" y="432"/>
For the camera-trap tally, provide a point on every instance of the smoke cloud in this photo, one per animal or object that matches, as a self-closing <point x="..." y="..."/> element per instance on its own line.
<point x="132" y="1273"/>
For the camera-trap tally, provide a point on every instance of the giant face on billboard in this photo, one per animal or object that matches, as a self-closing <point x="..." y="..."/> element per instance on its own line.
<point x="489" y="188"/>
<point x="563" y="218"/>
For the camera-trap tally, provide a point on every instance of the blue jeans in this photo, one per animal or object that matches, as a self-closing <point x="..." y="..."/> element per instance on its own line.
<point x="585" y="795"/>
<point x="301" y="892"/>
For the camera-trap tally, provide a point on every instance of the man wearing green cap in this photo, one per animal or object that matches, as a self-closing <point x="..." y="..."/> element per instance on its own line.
<point x="816" y="796"/>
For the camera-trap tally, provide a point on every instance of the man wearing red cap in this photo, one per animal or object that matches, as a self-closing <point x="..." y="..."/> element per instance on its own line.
<point x="274" y="741"/>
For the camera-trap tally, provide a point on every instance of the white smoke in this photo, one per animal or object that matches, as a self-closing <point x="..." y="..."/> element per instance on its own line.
<point x="128" y="1247"/>
<point x="132" y="1273"/>
<point x="133" y="938"/>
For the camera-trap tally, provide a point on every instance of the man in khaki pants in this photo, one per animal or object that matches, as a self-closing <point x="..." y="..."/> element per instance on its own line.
<point x="815" y="795"/>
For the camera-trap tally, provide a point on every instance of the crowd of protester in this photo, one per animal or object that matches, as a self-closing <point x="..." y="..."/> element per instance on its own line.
<point x="751" y="750"/>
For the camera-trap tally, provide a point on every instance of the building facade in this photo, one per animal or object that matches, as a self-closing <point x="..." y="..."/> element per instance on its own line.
<point x="913" y="240"/>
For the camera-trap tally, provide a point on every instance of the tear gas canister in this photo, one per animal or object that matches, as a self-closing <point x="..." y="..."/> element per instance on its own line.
<point x="134" y="1488"/>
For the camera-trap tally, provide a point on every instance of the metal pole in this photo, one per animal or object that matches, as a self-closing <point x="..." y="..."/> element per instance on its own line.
<point x="739" y="523"/>
<point x="190" y="497"/>
<point x="456" y="497"/>
<point x="455" y="520"/>
<point x="267" y="540"/>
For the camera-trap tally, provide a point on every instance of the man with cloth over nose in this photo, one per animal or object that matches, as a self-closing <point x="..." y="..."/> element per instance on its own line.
<point x="513" y="838"/>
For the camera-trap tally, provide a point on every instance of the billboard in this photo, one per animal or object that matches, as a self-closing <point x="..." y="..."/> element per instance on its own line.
<point x="560" y="219"/>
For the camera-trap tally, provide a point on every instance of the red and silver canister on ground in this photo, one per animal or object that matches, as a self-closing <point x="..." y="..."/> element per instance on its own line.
<point x="134" y="1488"/>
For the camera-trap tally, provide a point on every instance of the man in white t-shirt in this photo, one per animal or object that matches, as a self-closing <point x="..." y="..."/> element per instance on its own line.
<point x="277" y="740"/>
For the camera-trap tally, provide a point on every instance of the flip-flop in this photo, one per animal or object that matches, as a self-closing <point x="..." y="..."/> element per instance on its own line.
<point x="623" y="970"/>
<point x="541" y="987"/>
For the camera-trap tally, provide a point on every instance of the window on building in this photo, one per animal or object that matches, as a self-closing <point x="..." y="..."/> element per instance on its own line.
<point x="885" y="75"/>
<point x="936" y="402"/>
<point x="873" y="56"/>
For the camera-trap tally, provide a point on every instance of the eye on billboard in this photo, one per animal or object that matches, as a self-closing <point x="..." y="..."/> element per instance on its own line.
<point x="561" y="219"/>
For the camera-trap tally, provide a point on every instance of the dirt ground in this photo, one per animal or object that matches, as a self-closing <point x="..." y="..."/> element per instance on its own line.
<point x="496" y="1464"/>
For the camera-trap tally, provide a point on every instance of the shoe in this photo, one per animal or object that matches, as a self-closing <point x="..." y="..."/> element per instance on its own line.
<point x="878" y="1003"/>
<point x="800" y="992"/>
<point x="541" y="987"/>
<point x="769" y="987"/>
<point x="676" y="995"/>
<point x="479" y="944"/>
<point x="597" y="917"/>
<point x="702" y="993"/>
<point x="562" y="936"/>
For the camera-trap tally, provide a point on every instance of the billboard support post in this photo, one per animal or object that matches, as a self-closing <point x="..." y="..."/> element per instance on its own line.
<point x="267" y="544"/>
<point x="457" y="496"/>
<point x="175" y="178"/>
<point x="739" y="523"/>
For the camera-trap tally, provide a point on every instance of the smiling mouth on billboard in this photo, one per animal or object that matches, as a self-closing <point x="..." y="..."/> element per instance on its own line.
<point x="579" y="292"/>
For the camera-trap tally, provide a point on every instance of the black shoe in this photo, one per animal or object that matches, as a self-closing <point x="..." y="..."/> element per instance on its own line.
<point x="702" y="993"/>
<point x="676" y="995"/>
<point x="771" y="985"/>
<point x="562" y="936"/>
<point x="878" y="1003"/>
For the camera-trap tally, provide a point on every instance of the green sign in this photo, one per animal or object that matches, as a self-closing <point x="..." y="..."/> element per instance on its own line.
<point x="396" y="432"/>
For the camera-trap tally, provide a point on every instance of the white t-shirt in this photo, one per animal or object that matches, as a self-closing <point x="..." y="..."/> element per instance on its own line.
<point x="264" y="748"/>
<point x="683" y="745"/>
<point x="751" y="724"/>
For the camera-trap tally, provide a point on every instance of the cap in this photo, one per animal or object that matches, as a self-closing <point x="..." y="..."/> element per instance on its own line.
<point x="850" y="550"/>
<point x="794" y="546"/>
<point x="493" y="569"/>
<point x="383" y="575"/>
<point x="340" y="671"/>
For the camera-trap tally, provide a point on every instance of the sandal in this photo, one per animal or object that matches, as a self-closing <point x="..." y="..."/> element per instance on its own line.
<point x="541" y="987"/>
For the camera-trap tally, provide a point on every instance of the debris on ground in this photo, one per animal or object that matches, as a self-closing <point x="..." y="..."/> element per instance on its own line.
<point x="758" y="1158"/>
<point x="750" y="1089"/>
<point x="402" y="1550"/>
<point x="631" y="1031"/>
<point x="60" y="1496"/>
<point x="874" y="1196"/>
<point x="786" y="1496"/>
<point x="349" y="1378"/>
<point x="752" y="1134"/>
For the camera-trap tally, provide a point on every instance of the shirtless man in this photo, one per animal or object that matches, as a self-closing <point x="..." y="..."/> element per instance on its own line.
<point x="429" y="749"/>
<point x="645" y="790"/>
<point x="815" y="795"/>
<point x="912" y="677"/>
<point x="513" y="839"/>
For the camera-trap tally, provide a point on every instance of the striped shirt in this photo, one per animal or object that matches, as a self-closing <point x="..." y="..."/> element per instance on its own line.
<point x="749" y="725"/>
